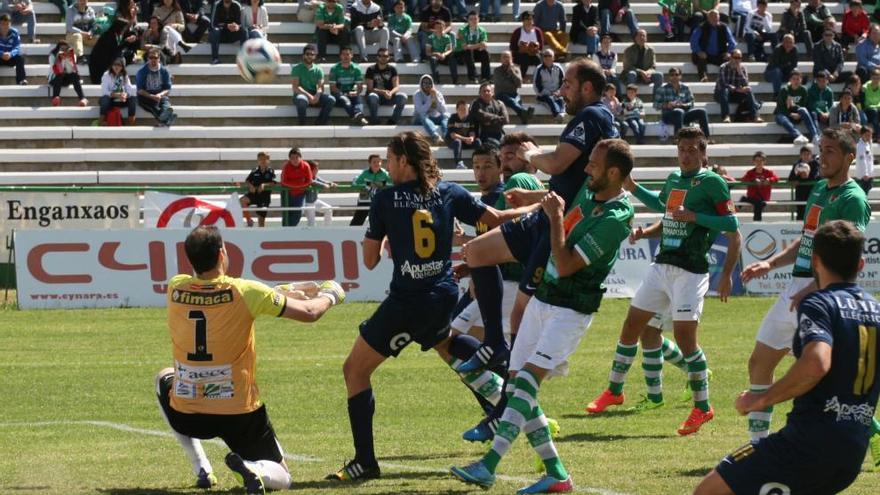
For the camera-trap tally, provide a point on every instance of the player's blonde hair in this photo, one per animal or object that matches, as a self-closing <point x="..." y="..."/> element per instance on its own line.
<point x="417" y="150"/>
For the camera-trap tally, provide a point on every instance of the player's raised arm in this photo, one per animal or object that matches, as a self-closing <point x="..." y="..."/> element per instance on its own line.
<point x="550" y="162"/>
<point x="493" y="218"/>
<point x="783" y="258"/>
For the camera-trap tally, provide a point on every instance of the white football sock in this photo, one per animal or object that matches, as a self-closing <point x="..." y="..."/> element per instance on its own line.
<point x="274" y="475"/>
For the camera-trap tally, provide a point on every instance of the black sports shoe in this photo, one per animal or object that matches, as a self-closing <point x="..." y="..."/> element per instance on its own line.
<point x="253" y="485"/>
<point x="354" y="471"/>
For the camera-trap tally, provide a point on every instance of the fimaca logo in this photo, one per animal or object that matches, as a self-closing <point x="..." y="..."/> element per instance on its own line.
<point x="201" y="298"/>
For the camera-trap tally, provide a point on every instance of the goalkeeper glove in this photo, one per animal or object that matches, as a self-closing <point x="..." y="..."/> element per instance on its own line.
<point x="332" y="290"/>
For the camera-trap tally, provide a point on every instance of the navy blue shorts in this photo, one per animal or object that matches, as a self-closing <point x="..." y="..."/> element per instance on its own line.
<point x="778" y="466"/>
<point x="528" y="239"/>
<point x="405" y="318"/>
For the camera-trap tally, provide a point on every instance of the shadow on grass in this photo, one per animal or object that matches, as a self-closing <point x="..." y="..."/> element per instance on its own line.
<point x="695" y="473"/>
<point x="163" y="491"/>
<point x="594" y="437"/>
<point x="424" y="457"/>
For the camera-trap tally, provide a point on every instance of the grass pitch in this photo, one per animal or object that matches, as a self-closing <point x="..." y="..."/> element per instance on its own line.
<point x="79" y="413"/>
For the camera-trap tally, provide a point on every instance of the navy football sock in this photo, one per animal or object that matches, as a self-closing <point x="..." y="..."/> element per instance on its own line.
<point x="463" y="346"/>
<point x="361" y="408"/>
<point x="489" y="291"/>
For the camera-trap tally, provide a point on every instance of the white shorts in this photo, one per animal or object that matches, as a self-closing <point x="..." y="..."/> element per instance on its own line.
<point x="470" y="316"/>
<point x="779" y="324"/>
<point x="547" y="336"/>
<point x="670" y="289"/>
<point x="661" y="321"/>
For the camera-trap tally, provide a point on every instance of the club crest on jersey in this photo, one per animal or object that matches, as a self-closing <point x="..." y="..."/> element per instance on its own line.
<point x="833" y="198"/>
<point x="696" y="181"/>
<point x="597" y="212"/>
<point x="579" y="133"/>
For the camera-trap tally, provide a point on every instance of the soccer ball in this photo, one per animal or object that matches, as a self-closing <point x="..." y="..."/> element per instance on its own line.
<point x="802" y="170"/>
<point x="258" y="61"/>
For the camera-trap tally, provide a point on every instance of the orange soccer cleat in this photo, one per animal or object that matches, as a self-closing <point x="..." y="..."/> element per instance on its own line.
<point x="605" y="400"/>
<point x="695" y="420"/>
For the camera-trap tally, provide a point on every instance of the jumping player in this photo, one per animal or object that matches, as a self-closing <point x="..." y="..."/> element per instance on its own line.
<point x="835" y="383"/>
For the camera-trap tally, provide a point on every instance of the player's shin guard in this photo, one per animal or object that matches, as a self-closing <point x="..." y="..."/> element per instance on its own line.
<point x="361" y="408"/>
<point x="489" y="290"/>
<point x="623" y="360"/>
<point x="538" y="433"/>
<point x="698" y="376"/>
<point x="520" y="408"/>
<point x="759" y="421"/>
<point x="672" y="354"/>
<point x="652" y="365"/>
<point x="274" y="475"/>
<point x="483" y="383"/>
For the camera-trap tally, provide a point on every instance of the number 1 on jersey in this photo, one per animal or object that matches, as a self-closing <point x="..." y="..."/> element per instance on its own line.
<point x="424" y="239"/>
<point x="201" y="353"/>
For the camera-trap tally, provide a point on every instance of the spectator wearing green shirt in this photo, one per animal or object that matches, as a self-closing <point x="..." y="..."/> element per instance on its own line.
<point x="330" y="27"/>
<point x="370" y="181"/>
<point x="820" y="99"/>
<point x="308" y="88"/>
<point x="346" y="86"/>
<point x="471" y="47"/>
<point x="871" y="89"/>
<point x="791" y="110"/>
<point x="399" y="25"/>
<point x="440" y="49"/>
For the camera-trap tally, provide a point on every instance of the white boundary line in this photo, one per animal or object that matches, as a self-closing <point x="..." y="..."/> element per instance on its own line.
<point x="291" y="457"/>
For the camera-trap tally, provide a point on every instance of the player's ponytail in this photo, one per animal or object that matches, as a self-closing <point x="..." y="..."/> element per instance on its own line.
<point x="417" y="150"/>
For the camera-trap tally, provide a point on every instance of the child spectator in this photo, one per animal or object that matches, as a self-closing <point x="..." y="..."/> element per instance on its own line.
<point x="399" y="26"/>
<point x="820" y="99"/>
<point x="864" y="172"/>
<point x="154" y="84"/>
<point x="370" y="181"/>
<point x="296" y="176"/>
<point x="609" y="99"/>
<point x="462" y="133"/>
<point x="806" y="169"/>
<point x="117" y="91"/>
<point x="759" y="29"/>
<point x="720" y="170"/>
<point x="10" y="49"/>
<point x="633" y="113"/>
<point x="313" y="204"/>
<point x="258" y="195"/>
<point x="440" y="48"/>
<point x="761" y="181"/>
<point x="63" y="72"/>
<point x="471" y="48"/>
<point x="429" y="110"/>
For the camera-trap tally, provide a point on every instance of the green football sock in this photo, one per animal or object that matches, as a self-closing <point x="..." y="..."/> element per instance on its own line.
<point x="483" y="382"/>
<point x="538" y="433"/>
<point x="875" y="426"/>
<point x="623" y="359"/>
<point x="759" y="421"/>
<point x="652" y="365"/>
<point x="699" y="378"/>
<point x="519" y="411"/>
<point x="672" y="354"/>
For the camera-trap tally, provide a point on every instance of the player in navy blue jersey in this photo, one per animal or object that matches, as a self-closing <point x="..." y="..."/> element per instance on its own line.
<point x="835" y="383"/>
<point x="416" y="218"/>
<point x="526" y="239"/>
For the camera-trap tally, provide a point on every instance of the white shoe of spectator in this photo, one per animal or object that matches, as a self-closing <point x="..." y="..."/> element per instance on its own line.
<point x="801" y="139"/>
<point x="816" y="143"/>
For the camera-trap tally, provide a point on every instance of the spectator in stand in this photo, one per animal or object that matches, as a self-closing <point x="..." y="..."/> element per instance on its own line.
<point x="258" y="195"/>
<point x="676" y="104"/>
<point x="712" y="42"/>
<point x="761" y="180"/>
<point x="828" y="57"/>
<point x="471" y="47"/>
<point x="63" y="73"/>
<point x="665" y="18"/>
<point x="609" y="99"/>
<point x="153" y="86"/>
<point x="732" y="86"/>
<point x="791" y="110"/>
<point x="607" y="59"/>
<point x="739" y="13"/>
<point x="254" y="20"/>
<point x="225" y="27"/>
<point x="585" y="26"/>
<point x="462" y="133"/>
<point x="639" y="62"/>
<point x="871" y="105"/>
<point x="507" y="80"/>
<point x="399" y="26"/>
<point x="815" y="14"/>
<point x="308" y="88"/>
<point x="296" y="176"/>
<point x="496" y="10"/>
<point x="805" y="169"/>
<point x="120" y="41"/>
<point x="170" y="17"/>
<point x="22" y="12"/>
<point x="371" y="181"/>
<point x="782" y="63"/>
<point x="312" y="204"/>
<point x="616" y="12"/>
<point x="633" y="114"/>
<point x="794" y="23"/>
<point x="548" y="85"/>
<point x="429" y="110"/>
<point x="117" y="91"/>
<point x="683" y="17"/>
<point x="701" y="11"/>
<point x="854" y="84"/>
<point x="856" y="25"/>
<point x="368" y="26"/>
<point x="196" y="14"/>
<point x="864" y="171"/>
<point x="383" y="88"/>
<point x="844" y="113"/>
<point x="105" y="20"/>
<point x="526" y="44"/>
<point x="166" y="39"/>
<point x="10" y="49"/>
<point x="721" y="171"/>
<point x="550" y="18"/>
<point x="331" y="26"/>
<point x="868" y="53"/>
<point x="820" y="99"/>
<point x="441" y="50"/>
<point x="759" y="29"/>
<point x="490" y="115"/>
<point x="435" y="11"/>
<point x="81" y="28"/>
<point x="347" y="85"/>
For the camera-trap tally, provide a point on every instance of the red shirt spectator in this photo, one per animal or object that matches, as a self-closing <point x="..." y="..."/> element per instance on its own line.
<point x="855" y="23"/>
<point x="296" y="174"/>
<point x="764" y="179"/>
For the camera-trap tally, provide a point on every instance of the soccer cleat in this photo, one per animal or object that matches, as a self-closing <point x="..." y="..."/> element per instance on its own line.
<point x="332" y="290"/>
<point x="687" y="395"/>
<point x="874" y="443"/>
<point x="475" y="474"/>
<point x="253" y="484"/>
<point x="483" y="432"/>
<point x="605" y="400"/>
<point x="695" y="420"/>
<point x="646" y="404"/>
<point x="205" y="480"/>
<point x="548" y="484"/>
<point x="354" y="471"/>
<point x="485" y="357"/>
